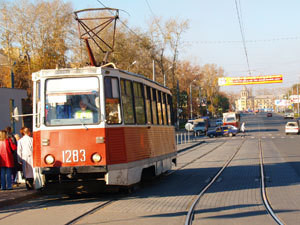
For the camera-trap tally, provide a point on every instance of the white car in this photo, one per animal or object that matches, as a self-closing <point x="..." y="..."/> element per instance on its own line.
<point x="292" y="128"/>
<point x="289" y="115"/>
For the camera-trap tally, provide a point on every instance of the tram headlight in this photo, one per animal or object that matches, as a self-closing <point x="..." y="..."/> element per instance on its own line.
<point x="49" y="159"/>
<point x="96" y="157"/>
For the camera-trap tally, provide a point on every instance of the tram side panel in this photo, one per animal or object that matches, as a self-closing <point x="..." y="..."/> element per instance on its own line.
<point x="144" y="147"/>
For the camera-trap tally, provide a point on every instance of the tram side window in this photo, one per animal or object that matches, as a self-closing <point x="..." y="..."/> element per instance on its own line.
<point x="127" y="101"/>
<point x="154" y="105"/>
<point x="112" y="101"/>
<point x="160" y="121"/>
<point x="148" y="104"/>
<point x="139" y="103"/>
<point x="169" y="108"/>
<point x="164" y="108"/>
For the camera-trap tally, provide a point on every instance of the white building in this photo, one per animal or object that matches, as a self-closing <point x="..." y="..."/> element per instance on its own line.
<point x="10" y="98"/>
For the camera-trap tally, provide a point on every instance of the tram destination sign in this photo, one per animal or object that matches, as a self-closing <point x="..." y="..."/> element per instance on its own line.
<point x="227" y="81"/>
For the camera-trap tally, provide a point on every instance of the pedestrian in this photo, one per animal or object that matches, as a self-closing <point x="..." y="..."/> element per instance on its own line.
<point x="25" y="148"/>
<point x="243" y="127"/>
<point x="6" y="161"/>
<point x="13" y="144"/>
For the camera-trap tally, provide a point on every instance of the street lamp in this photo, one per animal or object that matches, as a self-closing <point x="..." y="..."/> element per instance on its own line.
<point x="134" y="62"/>
<point x="165" y="74"/>
<point x="191" y="102"/>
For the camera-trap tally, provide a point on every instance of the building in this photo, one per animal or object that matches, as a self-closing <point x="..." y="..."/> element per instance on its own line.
<point x="11" y="98"/>
<point x="247" y="102"/>
<point x="264" y="102"/>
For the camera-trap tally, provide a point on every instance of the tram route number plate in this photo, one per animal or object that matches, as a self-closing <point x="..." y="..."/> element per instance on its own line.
<point x="71" y="156"/>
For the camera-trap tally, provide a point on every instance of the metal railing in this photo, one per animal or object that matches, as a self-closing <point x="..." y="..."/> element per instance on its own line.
<point x="186" y="137"/>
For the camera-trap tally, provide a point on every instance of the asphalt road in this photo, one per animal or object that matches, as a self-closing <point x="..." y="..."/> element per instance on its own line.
<point x="235" y="197"/>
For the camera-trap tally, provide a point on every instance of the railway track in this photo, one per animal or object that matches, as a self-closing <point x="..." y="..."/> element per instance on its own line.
<point x="266" y="203"/>
<point x="85" y="214"/>
<point x="263" y="187"/>
<point x="104" y="204"/>
<point x="190" y="214"/>
<point x="197" y="158"/>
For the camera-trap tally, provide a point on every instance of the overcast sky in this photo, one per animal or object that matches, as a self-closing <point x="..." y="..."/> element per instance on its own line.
<point x="271" y="31"/>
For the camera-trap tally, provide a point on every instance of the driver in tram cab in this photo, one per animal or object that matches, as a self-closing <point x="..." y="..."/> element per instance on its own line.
<point x="83" y="113"/>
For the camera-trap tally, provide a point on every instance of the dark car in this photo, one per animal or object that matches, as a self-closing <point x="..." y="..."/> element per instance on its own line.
<point x="222" y="131"/>
<point x="269" y="114"/>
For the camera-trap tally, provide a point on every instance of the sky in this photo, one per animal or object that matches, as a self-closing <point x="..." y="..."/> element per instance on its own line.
<point x="271" y="31"/>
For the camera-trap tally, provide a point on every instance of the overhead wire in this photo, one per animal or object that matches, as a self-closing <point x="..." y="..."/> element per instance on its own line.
<point x="155" y="20"/>
<point x="243" y="34"/>
<point x="124" y="24"/>
<point x="247" y="41"/>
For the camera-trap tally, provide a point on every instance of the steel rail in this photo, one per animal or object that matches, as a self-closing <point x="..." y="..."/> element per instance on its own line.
<point x="96" y="208"/>
<point x="263" y="187"/>
<point x="190" y="215"/>
<point x="201" y="156"/>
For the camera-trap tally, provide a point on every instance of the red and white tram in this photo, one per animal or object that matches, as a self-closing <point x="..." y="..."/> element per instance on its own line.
<point x="123" y="130"/>
<point x="232" y="118"/>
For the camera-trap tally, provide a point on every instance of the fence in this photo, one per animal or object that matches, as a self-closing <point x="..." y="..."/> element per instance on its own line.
<point x="186" y="137"/>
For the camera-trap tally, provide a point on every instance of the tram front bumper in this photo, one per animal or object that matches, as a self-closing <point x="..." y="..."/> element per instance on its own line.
<point x="74" y="169"/>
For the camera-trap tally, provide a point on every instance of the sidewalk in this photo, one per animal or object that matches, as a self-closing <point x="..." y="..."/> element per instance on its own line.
<point x="20" y="193"/>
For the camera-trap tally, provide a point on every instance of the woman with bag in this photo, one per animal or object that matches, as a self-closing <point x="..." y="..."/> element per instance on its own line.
<point x="6" y="161"/>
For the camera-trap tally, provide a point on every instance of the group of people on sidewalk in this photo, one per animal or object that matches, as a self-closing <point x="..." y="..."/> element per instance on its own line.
<point x="16" y="155"/>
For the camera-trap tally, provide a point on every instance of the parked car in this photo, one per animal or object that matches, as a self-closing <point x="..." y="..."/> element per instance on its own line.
<point x="292" y="127"/>
<point x="200" y="127"/>
<point x="269" y="114"/>
<point x="222" y="131"/>
<point x="289" y="115"/>
<point x="219" y="122"/>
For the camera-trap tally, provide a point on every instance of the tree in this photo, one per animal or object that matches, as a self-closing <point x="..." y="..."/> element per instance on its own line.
<point x="35" y="35"/>
<point x="166" y="38"/>
<point x="211" y="73"/>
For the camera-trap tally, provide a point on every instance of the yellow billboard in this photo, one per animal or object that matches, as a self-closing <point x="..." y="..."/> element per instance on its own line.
<point x="226" y="81"/>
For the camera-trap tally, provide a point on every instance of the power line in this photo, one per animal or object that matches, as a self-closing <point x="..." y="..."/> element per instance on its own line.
<point x="243" y="36"/>
<point x="121" y="21"/>
<point x="159" y="27"/>
<point x="247" y="41"/>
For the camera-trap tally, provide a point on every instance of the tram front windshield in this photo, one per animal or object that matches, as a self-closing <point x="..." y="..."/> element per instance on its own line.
<point x="72" y="101"/>
<point x="230" y="119"/>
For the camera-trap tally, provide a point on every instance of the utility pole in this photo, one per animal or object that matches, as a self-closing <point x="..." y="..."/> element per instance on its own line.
<point x="12" y="77"/>
<point x="153" y="70"/>
<point x="298" y="98"/>
<point x="191" y="101"/>
<point x="200" y="100"/>
<point x="177" y="119"/>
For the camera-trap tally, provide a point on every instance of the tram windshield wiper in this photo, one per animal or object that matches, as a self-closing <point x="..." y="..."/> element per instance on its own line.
<point x="83" y="124"/>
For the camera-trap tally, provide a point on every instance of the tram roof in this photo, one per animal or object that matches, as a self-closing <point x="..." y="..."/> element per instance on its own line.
<point x="86" y="71"/>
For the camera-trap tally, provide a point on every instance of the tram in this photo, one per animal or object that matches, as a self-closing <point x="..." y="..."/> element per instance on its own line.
<point x="100" y="123"/>
<point x="232" y="118"/>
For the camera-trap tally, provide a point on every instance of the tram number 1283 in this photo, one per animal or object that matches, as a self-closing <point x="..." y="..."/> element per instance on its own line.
<point x="70" y="156"/>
